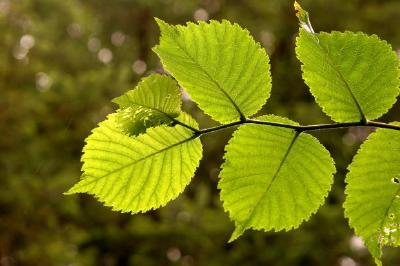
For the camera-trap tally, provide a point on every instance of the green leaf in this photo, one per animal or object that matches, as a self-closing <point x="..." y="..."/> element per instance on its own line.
<point x="137" y="174"/>
<point x="273" y="178"/>
<point x="352" y="76"/>
<point x="373" y="191"/>
<point x="155" y="101"/>
<point x="219" y="64"/>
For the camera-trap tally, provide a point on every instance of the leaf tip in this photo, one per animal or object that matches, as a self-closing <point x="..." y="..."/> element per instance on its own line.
<point x="236" y="233"/>
<point x="118" y="100"/>
<point x="161" y="24"/>
<point x="158" y="20"/>
<point x="297" y="8"/>
<point x="75" y="189"/>
<point x="165" y="28"/>
<point x="70" y="191"/>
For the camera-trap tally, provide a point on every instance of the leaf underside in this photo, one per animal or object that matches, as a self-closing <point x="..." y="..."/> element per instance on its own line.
<point x="220" y="66"/>
<point x="351" y="75"/>
<point x="156" y="100"/>
<point x="273" y="178"/>
<point x="373" y="191"/>
<point x="137" y="174"/>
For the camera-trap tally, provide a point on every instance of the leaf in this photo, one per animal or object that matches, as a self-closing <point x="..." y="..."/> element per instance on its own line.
<point x="352" y="76"/>
<point x="303" y="17"/>
<point x="273" y="178"/>
<point x="373" y="191"/>
<point x="155" y="101"/>
<point x="220" y="66"/>
<point x="137" y="174"/>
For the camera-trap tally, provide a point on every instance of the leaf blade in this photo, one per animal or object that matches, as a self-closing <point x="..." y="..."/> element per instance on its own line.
<point x="372" y="202"/>
<point x="137" y="174"/>
<point x="156" y="100"/>
<point x="222" y="68"/>
<point x="352" y="76"/>
<point x="254" y="189"/>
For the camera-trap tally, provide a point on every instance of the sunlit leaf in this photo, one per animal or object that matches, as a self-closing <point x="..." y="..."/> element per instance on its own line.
<point x="373" y="191"/>
<point x="219" y="64"/>
<point x="352" y="76"/>
<point x="273" y="178"/>
<point x="156" y="100"/>
<point x="137" y="174"/>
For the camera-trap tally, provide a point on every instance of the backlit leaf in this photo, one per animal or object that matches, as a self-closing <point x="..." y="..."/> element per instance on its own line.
<point x="352" y="76"/>
<point x="137" y="174"/>
<point x="273" y="178"/>
<point x="220" y="66"/>
<point x="373" y="191"/>
<point x="156" y="100"/>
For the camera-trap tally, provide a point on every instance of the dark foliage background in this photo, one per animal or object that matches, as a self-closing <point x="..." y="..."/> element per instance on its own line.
<point x="61" y="62"/>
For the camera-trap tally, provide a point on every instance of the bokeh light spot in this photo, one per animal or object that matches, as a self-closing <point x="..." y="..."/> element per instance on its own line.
<point x="139" y="67"/>
<point x="118" y="38"/>
<point x="43" y="81"/>
<point x="356" y="243"/>
<point x="94" y="44"/>
<point x="27" y="41"/>
<point x="105" y="55"/>
<point x="347" y="261"/>
<point x="201" y="14"/>
<point x="174" y="254"/>
<point x="4" y="7"/>
<point x="74" y="30"/>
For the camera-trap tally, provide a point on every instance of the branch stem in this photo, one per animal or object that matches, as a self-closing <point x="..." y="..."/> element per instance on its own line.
<point x="295" y="127"/>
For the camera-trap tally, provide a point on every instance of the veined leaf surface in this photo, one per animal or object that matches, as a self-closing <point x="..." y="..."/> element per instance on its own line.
<point x="352" y="76"/>
<point x="373" y="191"/>
<point x="137" y="174"/>
<point x="219" y="64"/>
<point x="156" y="100"/>
<point x="273" y="178"/>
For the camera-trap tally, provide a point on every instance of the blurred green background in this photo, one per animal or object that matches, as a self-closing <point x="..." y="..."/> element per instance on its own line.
<point x="61" y="62"/>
